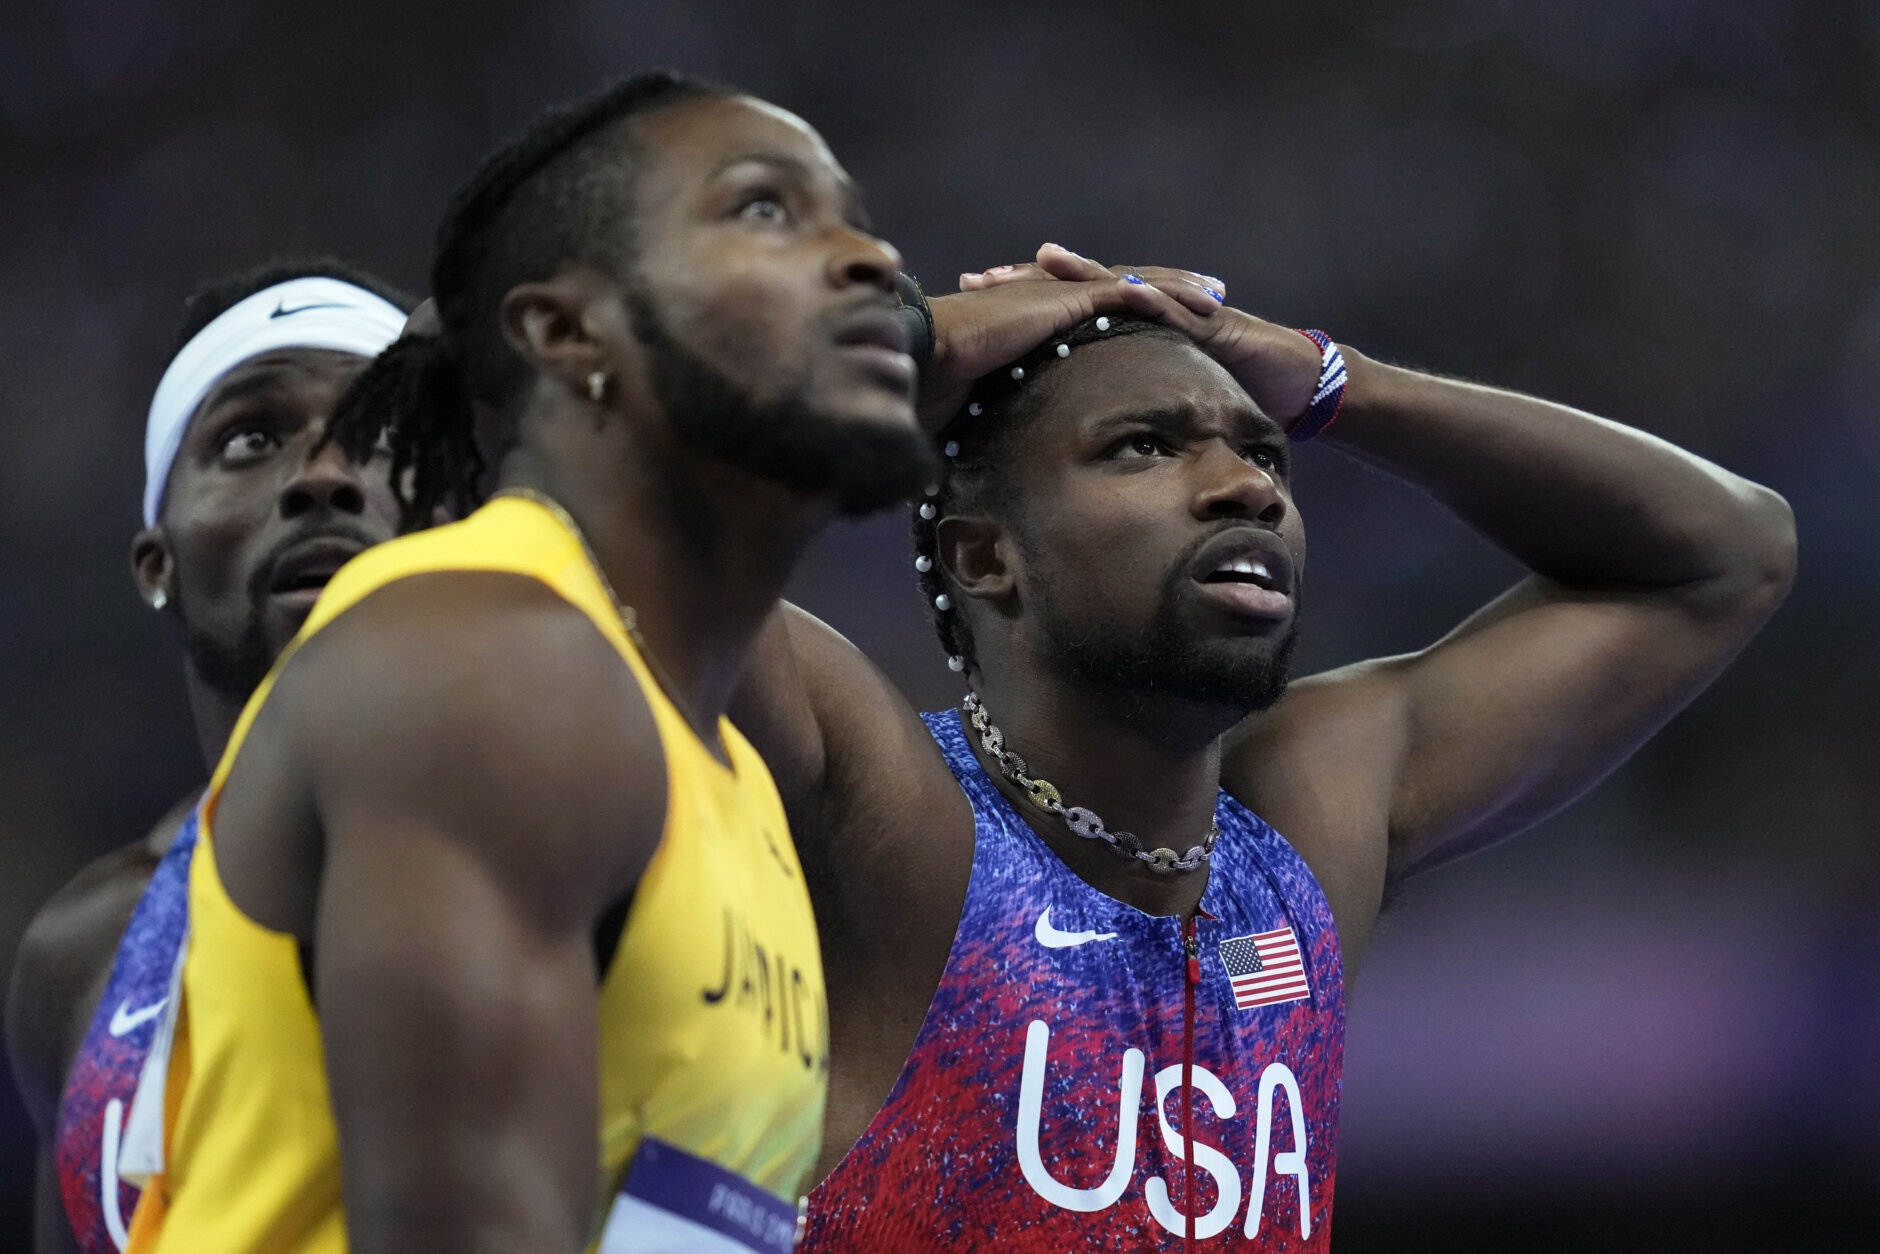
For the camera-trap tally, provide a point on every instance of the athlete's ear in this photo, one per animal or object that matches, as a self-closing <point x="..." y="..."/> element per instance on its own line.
<point x="979" y="555"/>
<point x="562" y="326"/>
<point x="152" y="567"/>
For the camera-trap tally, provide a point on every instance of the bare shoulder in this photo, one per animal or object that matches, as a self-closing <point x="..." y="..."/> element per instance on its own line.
<point x="886" y="839"/>
<point x="501" y="704"/>
<point x="885" y="833"/>
<point x="887" y="792"/>
<point x="475" y="704"/>
<point x="64" y="961"/>
<point x="1320" y="767"/>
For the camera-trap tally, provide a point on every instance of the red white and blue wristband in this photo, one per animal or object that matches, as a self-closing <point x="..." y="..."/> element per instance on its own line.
<point x="1328" y="398"/>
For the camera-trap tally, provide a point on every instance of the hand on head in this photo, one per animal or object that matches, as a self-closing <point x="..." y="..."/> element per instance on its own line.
<point x="977" y="332"/>
<point x="1277" y="366"/>
<point x="1199" y="293"/>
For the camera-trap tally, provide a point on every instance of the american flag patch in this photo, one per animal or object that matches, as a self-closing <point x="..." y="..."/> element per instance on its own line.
<point x="1265" y="968"/>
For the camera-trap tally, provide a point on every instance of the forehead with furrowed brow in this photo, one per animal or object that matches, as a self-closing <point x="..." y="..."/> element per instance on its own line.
<point x="1241" y="421"/>
<point x="1153" y="377"/>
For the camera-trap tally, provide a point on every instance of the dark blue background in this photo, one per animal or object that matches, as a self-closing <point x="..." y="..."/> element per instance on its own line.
<point x="1654" y="1023"/>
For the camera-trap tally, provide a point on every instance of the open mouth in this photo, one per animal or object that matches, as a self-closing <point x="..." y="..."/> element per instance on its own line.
<point x="878" y="339"/>
<point x="873" y="327"/>
<point x="303" y="572"/>
<point x="306" y="581"/>
<point x="1247" y="570"/>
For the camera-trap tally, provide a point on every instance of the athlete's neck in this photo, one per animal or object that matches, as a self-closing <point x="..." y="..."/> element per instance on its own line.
<point x="1145" y="765"/>
<point x="700" y="550"/>
<point x="214" y="711"/>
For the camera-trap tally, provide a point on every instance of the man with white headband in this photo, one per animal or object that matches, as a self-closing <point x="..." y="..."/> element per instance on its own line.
<point x="246" y="516"/>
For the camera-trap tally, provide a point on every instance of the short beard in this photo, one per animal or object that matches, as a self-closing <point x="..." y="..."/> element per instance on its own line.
<point x="1165" y="659"/>
<point x="234" y="668"/>
<point x="863" y="466"/>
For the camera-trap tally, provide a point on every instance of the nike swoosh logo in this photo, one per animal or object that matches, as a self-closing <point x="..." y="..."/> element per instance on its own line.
<point x="1051" y="938"/>
<point x="124" y="1019"/>
<point x="282" y="311"/>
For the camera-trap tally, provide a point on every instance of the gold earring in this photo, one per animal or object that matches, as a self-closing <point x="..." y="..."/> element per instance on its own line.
<point x="597" y="386"/>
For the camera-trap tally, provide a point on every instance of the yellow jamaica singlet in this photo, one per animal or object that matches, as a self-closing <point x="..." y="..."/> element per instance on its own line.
<point x="713" y="1033"/>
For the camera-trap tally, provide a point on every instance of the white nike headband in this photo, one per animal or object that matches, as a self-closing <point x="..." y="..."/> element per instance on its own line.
<point x="312" y="312"/>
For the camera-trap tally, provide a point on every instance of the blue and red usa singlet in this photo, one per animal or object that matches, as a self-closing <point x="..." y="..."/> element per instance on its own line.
<point x="1042" y="1105"/>
<point x="104" y="1075"/>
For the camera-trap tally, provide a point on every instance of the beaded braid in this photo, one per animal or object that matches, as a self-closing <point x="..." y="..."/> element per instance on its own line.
<point x="974" y="450"/>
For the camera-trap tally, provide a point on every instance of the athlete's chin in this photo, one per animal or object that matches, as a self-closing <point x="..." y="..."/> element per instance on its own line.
<point x="286" y="613"/>
<point x="1244" y="673"/>
<point x="867" y="406"/>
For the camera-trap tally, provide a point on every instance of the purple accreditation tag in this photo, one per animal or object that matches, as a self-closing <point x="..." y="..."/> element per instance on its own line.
<point x="673" y="1201"/>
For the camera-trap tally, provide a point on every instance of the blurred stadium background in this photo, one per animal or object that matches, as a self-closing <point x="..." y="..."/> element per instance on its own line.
<point x="1654" y="1023"/>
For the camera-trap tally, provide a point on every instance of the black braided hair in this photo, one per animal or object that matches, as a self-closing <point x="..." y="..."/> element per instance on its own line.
<point x="218" y="296"/>
<point x="557" y="194"/>
<point x="975" y="445"/>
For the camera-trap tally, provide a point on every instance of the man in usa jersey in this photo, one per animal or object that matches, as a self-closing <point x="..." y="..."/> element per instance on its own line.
<point x="1087" y="936"/>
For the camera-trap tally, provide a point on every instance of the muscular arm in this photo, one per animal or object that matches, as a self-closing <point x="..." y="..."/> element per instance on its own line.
<point x="63" y="964"/>
<point x="886" y="840"/>
<point x="52" y="1233"/>
<point x="487" y="781"/>
<point x="1650" y="568"/>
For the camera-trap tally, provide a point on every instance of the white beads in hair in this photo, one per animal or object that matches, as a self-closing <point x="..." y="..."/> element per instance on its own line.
<point x="933" y="489"/>
<point x="943" y="603"/>
<point x="1018" y="373"/>
<point x="1064" y="350"/>
<point x="1103" y="324"/>
<point x="923" y="563"/>
<point x="975" y="409"/>
<point x="953" y="446"/>
<point x="927" y="510"/>
<point x="956" y="663"/>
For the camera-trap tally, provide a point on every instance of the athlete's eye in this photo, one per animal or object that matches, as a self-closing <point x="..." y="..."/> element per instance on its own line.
<point x="246" y="445"/>
<point x="762" y="206"/>
<point x="1143" y="444"/>
<point x="1266" y="458"/>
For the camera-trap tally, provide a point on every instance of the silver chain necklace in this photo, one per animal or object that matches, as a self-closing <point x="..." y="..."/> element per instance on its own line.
<point x="1083" y="822"/>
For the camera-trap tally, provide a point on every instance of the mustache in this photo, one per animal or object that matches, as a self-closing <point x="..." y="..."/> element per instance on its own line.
<point x="259" y="583"/>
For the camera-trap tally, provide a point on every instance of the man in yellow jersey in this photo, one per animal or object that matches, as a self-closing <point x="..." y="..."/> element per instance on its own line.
<point x="246" y="515"/>
<point x="497" y="929"/>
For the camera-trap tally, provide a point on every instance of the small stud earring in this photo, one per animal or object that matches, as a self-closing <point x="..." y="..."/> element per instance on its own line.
<point x="597" y="386"/>
<point x="159" y="599"/>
